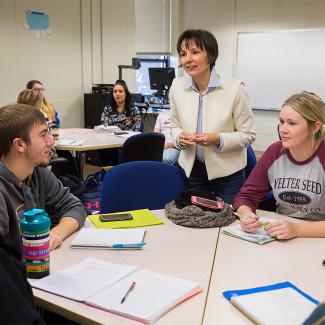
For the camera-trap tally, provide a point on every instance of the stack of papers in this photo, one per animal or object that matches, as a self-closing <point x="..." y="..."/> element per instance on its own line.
<point x="109" y="238"/>
<point x="276" y="304"/>
<point x="260" y="236"/>
<point x="67" y="142"/>
<point x="103" y="284"/>
<point x="110" y="129"/>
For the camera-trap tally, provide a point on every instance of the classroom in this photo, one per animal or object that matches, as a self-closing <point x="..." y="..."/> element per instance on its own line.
<point x="83" y="44"/>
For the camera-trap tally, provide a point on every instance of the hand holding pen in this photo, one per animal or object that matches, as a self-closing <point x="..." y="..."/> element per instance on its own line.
<point x="127" y="293"/>
<point x="250" y="221"/>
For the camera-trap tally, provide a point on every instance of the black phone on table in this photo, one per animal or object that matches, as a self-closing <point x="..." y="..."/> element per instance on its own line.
<point x="115" y="217"/>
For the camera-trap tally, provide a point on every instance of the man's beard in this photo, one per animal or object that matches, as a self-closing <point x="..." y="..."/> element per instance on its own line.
<point x="43" y="163"/>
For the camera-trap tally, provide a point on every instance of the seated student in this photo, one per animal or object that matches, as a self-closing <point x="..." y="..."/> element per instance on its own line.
<point x="121" y="113"/>
<point x="25" y="142"/>
<point x="294" y="169"/>
<point x="32" y="98"/>
<point x="170" y="154"/>
<point x="47" y="108"/>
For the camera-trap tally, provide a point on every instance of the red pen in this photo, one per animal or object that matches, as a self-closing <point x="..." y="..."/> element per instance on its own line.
<point x="127" y="293"/>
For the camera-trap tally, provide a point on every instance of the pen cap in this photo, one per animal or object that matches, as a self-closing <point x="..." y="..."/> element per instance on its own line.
<point x="35" y="229"/>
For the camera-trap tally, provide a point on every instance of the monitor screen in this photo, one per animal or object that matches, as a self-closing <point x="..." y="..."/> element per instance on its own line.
<point x="161" y="79"/>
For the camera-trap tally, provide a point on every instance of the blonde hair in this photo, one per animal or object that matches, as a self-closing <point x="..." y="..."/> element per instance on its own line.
<point x="31" y="97"/>
<point x="312" y="109"/>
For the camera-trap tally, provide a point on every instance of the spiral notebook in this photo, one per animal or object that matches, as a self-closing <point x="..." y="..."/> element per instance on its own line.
<point x="109" y="238"/>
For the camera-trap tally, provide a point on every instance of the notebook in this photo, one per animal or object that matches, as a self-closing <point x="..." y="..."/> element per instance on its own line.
<point x="141" y="218"/>
<point x="260" y="236"/>
<point x="109" y="238"/>
<point x="103" y="284"/>
<point x="277" y="304"/>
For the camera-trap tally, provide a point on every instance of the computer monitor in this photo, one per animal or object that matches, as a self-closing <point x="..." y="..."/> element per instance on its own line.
<point x="161" y="79"/>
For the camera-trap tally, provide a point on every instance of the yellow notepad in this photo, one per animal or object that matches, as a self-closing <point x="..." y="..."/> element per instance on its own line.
<point x="141" y="218"/>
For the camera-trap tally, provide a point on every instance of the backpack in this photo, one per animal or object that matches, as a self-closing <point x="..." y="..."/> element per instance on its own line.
<point x="91" y="189"/>
<point x="73" y="183"/>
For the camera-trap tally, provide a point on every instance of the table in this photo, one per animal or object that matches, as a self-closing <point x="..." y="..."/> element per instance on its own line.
<point x="173" y="250"/>
<point x="240" y="264"/>
<point x="92" y="141"/>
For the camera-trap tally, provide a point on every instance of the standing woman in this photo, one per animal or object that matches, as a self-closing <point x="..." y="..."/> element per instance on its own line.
<point x="121" y="112"/>
<point x="212" y="121"/>
<point x="47" y="108"/>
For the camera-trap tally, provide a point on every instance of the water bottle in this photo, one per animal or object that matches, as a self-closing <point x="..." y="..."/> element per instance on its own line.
<point x="35" y="230"/>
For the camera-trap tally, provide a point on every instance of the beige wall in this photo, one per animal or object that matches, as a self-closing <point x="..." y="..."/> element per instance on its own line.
<point x="225" y="18"/>
<point x="54" y="59"/>
<point x="90" y="38"/>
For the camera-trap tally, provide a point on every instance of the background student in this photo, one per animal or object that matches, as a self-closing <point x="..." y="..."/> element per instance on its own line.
<point x="121" y="113"/>
<point x="46" y="108"/>
<point x="211" y="118"/>
<point x="25" y="183"/>
<point x="171" y="153"/>
<point x="294" y="169"/>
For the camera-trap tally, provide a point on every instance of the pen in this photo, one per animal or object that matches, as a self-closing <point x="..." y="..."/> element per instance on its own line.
<point x="138" y="245"/>
<point x="240" y="216"/>
<point x="127" y="293"/>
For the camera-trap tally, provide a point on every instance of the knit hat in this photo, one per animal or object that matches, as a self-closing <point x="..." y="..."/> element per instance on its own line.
<point x="182" y="212"/>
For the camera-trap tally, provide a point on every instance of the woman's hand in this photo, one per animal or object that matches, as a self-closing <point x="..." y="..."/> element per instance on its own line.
<point x="250" y="222"/>
<point x="186" y="138"/>
<point x="55" y="240"/>
<point x="169" y="145"/>
<point x="282" y="229"/>
<point x="207" y="139"/>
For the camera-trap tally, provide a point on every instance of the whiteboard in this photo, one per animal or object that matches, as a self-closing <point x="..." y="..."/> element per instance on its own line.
<point x="275" y="65"/>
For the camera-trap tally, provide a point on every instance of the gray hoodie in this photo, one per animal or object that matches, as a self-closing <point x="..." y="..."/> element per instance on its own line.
<point x="41" y="190"/>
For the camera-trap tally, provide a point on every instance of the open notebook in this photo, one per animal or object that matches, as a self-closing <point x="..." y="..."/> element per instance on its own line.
<point x="276" y="304"/>
<point x="109" y="238"/>
<point x="103" y="284"/>
<point x="260" y="236"/>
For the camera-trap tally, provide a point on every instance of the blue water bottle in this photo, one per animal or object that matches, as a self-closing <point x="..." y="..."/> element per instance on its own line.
<point x="35" y="230"/>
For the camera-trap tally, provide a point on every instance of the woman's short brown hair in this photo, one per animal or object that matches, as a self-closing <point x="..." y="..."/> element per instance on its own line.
<point x="203" y="39"/>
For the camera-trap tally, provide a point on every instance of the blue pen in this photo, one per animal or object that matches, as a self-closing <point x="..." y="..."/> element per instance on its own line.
<point x="137" y="245"/>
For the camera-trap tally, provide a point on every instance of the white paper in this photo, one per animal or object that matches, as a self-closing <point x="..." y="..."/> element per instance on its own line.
<point x="154" y="294"/>
<point x="276" y="307"/>
<point x="108" y="237"/>
<point x="67" y="142"/>
<point x="83" y="279"/>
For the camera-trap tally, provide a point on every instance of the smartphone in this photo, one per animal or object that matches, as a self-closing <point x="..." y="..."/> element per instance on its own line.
<point x="115" y="217"/>
<point x="217" y="205"/>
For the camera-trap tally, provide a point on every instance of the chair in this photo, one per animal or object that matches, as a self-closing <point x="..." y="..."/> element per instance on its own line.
<point x="251" y="161"/>
<point x="144" y="146"/>
<point x="140" y="185"/>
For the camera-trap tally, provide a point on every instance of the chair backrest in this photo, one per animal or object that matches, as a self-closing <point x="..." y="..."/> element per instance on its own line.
<point x="251" y="161"/>
<point x="144" y="146"/>
<point x="140" y="185"/>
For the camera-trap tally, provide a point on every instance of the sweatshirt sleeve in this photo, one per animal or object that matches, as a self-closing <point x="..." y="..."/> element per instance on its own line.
<point x="257" y="184"/>
<point x="59" y="202"/>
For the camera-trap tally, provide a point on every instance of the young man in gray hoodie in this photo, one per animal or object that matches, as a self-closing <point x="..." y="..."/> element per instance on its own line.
<point x="26" y="183"/>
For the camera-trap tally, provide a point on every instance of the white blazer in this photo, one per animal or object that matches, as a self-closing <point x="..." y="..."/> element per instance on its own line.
<point x="227" y="112"/>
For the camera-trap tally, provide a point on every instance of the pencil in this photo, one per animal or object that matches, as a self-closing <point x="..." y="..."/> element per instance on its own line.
<point x="240" y="216"/>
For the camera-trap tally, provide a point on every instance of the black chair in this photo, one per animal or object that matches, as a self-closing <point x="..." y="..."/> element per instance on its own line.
<point x="144" y="146"/>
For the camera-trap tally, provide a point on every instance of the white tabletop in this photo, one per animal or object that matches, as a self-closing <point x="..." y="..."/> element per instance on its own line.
<point x="241" y="264"/>
<point x="185" y="253"/>
<point x="92" y="140"/>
